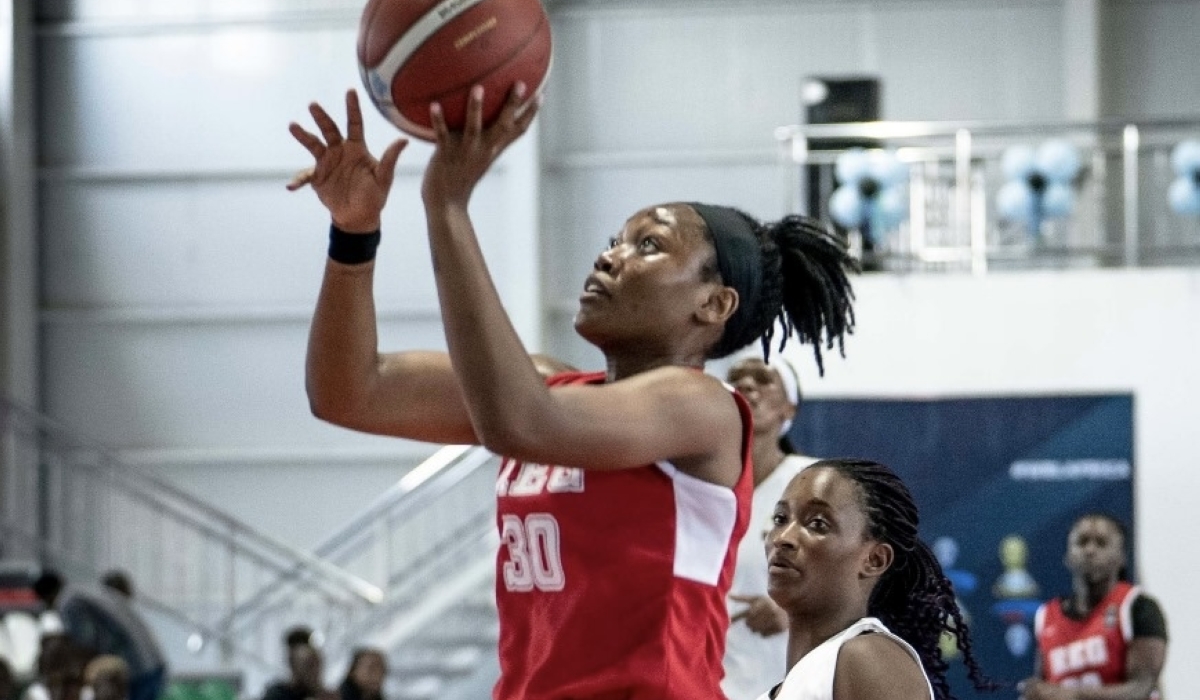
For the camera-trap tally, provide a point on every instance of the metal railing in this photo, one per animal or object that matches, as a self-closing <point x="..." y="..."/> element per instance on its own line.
<point x="70" y="504"/>
<point x="1121" y="217"/>
<point x="428" y="543"/>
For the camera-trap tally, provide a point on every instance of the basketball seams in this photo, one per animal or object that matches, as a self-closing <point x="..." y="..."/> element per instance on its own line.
<point x="466" y="83"/>
<point x="430" y="23"/>
<point x="415" y="68"/>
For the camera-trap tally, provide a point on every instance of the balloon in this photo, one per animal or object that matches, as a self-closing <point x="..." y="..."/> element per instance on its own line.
<point x="851" y="166"/>
<point x="1185" y="158"/>
<point x="1058" y="201"/>
<point x="1057" y="160"/>
<point x="886" y="168"/>
<point x="891" y="207"/>
<point x="1185" y="196"/>
<point x="1015" y="202"/>
<point x="847" y="206"/>
<point x="1017" y="163"/>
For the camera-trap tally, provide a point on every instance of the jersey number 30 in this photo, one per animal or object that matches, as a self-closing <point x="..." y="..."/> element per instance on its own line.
<point x="534" y="560"/>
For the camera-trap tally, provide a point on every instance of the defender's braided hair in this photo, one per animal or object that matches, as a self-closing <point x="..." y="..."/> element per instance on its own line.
<point x="913" y="598"/>
<point x="805" y="287"/>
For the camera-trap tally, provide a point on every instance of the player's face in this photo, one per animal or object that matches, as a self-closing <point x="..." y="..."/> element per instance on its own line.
<point x="818" y="544"/>
<point x="1095" y="550"/>
<point x="648" y="284"/>
<point x="760" y="384"/>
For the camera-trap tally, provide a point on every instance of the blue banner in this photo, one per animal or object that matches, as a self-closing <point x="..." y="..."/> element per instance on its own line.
<point x="999" y="481"/>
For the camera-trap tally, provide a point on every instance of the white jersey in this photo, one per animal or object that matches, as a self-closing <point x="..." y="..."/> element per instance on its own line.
<point x="754" y="663"/>
<point x="812" y="676"/>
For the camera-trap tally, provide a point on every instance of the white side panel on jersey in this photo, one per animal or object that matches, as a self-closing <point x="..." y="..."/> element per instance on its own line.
<point x="1126" y="612"/>
<point x="705" y="514"/>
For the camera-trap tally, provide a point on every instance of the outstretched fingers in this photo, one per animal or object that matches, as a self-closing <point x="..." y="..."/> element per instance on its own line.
<point x="385" y="171"/>
<point x="301" y="179"/>
<point x="519" y="112"/>
<point x="310" y="142"/>
<point x="354" y="119"/>
<point x="329" y="129"/>
<point x="474" y="125"/>
<point x="437" y="118"/>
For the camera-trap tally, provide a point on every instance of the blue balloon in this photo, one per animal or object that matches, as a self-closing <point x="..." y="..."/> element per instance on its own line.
<point x="1017" y="163"/>
<point x="847" y="206"/>
<point x="1015" y="202"/>
<point x="1185" y="158"/>
<point x="1185" y="196"/>
<point x="886" y="168"/>
<point x="851" y="166"/>
<point x="1058" y="201"/>
<point x="1058" y="160"/>
<point x="891" y="207"/>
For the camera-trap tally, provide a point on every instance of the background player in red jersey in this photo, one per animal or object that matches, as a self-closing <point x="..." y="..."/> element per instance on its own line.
<point x="624" y="493"/>
<point x="866" y="600"/>
<point x="1106" y="640"/>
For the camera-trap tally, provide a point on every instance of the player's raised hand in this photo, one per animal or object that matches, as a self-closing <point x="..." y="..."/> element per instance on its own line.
<point x="351" y="183"/>
<point x="462" y="158"/>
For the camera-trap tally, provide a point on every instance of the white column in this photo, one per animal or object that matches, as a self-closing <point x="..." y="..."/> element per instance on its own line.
<point x="18" y="207"/>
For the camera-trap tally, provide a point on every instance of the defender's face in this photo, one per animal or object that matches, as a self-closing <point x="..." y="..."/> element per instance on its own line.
<point x="818" y="541"/>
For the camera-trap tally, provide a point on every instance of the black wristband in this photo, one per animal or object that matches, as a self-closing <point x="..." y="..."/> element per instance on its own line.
<point x="352" y="248"/>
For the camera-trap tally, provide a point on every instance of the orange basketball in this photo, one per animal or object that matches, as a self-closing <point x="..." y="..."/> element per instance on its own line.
<point x="415" y="52"/>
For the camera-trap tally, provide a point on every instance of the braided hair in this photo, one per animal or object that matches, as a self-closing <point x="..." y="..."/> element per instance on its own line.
<point x="805" y="287"/>
<point x="913" y="598"/>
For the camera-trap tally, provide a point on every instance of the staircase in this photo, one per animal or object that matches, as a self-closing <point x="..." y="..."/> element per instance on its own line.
<point x="413" y="574"/>
<point x="69" y="504"/>
<point x="429" y="543"/>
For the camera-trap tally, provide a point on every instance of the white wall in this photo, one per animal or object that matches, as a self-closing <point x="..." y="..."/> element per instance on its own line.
<point x="1052" y="333"/>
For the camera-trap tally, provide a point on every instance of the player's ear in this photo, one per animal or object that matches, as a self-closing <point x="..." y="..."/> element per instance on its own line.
<point x="878" y="559"/>
<point x="718" y="306"/>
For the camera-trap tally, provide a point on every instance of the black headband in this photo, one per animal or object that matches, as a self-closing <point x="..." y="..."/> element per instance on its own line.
<point x="739" y="258"/>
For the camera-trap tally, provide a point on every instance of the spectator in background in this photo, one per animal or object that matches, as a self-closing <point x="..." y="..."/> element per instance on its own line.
<point x="306" y="682"/>
<point x="364" y="680"/>
<point x="60" y="669"/>
<point x="8" y="682"/>
<point x="108" y="678"/>
<point x="146" y="662"/>
<point x="102" y="620"/>
<point x="1106" y="640"/>
<point x="295" y="636"/>
<point x="756" y="645"/>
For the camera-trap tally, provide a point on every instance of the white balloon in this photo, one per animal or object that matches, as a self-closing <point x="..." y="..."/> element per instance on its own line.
<point x="891" y="207"/>
<point x="851" y="166"/>
<point x="1058" y="201"/>
<point x="1185" y="158"/>
<point x="847" y="206"/>
<point x="1017" y="163"/>
<point x="1184" y="195"/>
<point x="1058" y="160"/>
<point x="886" y="168"/>
<point x="1014" y="202"/>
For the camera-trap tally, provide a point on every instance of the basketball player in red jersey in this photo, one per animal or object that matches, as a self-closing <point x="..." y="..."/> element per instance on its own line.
<point x="1105" y="641"/>
<point x="623" y="493"/>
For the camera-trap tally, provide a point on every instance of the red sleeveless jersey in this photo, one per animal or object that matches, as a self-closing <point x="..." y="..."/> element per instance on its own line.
<point x="612" y="584"/>
<point x="1088" y="652"/>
